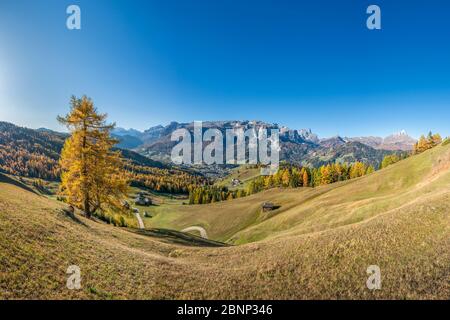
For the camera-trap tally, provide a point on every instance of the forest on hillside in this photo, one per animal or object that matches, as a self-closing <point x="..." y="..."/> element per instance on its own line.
<point x="35" y="154"/>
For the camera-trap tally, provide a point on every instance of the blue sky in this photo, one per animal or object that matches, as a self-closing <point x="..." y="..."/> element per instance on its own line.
<point x="304" y="64"/>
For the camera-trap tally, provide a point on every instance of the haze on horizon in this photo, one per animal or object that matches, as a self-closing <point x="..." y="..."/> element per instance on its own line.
<point x="301" y="65"/>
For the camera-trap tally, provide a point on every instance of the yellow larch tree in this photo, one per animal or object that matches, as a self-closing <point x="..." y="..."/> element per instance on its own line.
<point x="92" y="175"/>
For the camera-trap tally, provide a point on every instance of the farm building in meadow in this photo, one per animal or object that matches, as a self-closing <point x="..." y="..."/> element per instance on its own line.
<point x="235" y="182"/>
<point x="268" y="206"/>
<point x="142" y="200"/>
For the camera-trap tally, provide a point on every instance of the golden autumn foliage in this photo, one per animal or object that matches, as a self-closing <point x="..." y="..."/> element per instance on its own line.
<point x="35" y="154"/>
<point x="163" y="180"/>
<point x="29" y="153"/>
<point x="391" y="159"/>
<point x="92" y="175"/>
<point x="428" y="142"/>
<point x="288" y="176"/>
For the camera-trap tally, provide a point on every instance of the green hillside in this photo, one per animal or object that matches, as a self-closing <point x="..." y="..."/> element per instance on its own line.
<point x="318" y="244"/>
<point x="307" y="210"/>
<point x="243" y="173"/>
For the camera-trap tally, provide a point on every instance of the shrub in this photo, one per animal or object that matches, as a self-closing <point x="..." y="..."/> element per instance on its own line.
<point x="115" y="220"/>
<point x="122" y="222"/>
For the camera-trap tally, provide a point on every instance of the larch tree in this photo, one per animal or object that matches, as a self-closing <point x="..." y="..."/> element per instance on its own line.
<point x="92" y="175"/>
<point x="424" y="144"/>
<point x="370" y="169"/>
<point x="305" y="178"/>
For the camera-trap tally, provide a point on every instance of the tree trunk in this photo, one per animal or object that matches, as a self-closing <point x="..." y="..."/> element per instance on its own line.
<point x="87" y="208"/>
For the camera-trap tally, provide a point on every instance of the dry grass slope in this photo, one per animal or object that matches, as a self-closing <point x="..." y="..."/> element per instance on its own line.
<point x="317" y="245"/>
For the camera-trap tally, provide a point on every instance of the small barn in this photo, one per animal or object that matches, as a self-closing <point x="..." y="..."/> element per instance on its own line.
<point x="235" y="182"/>
<point x="268" y="206"/>
<point x="147" y="215"/>
<point x="142" y="200"/>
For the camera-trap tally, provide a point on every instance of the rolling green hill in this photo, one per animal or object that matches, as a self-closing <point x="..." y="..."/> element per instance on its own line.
<point x="315" y="209"/>
<point x="318" y="244"/>
<point x="244" y="174"/>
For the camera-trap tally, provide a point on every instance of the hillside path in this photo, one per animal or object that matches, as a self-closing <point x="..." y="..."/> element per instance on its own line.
<point x="139" y="219"/>
<point x="199" y="229"/>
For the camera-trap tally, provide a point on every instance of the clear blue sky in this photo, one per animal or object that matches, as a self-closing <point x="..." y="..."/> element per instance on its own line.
<point x="304" y="64"/>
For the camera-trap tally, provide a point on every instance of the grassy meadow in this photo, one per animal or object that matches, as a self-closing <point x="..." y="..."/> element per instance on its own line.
<point x="316" y="245"/>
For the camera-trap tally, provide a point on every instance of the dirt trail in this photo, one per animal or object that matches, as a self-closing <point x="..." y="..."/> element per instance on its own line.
<point x="139" y="219"/>
<point x="202" y="231"/>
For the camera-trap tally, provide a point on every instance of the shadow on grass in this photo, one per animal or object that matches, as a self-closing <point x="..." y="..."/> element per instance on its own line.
<point x="178" y="237"/>
<point x="69" y="214"/>
<point x="6" y="179"/>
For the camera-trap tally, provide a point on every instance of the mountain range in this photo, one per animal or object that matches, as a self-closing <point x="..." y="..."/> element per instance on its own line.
<point x="301" y="146"/>
<point x="396" y="141"/>
<point x="26" y="148"/>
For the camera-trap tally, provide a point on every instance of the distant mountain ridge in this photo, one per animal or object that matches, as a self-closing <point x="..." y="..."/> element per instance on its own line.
<point x="396" y="141"/>
<point x="300" y="146"/>
<point x="153" y="146"/>
<point x="132" y="138"/>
